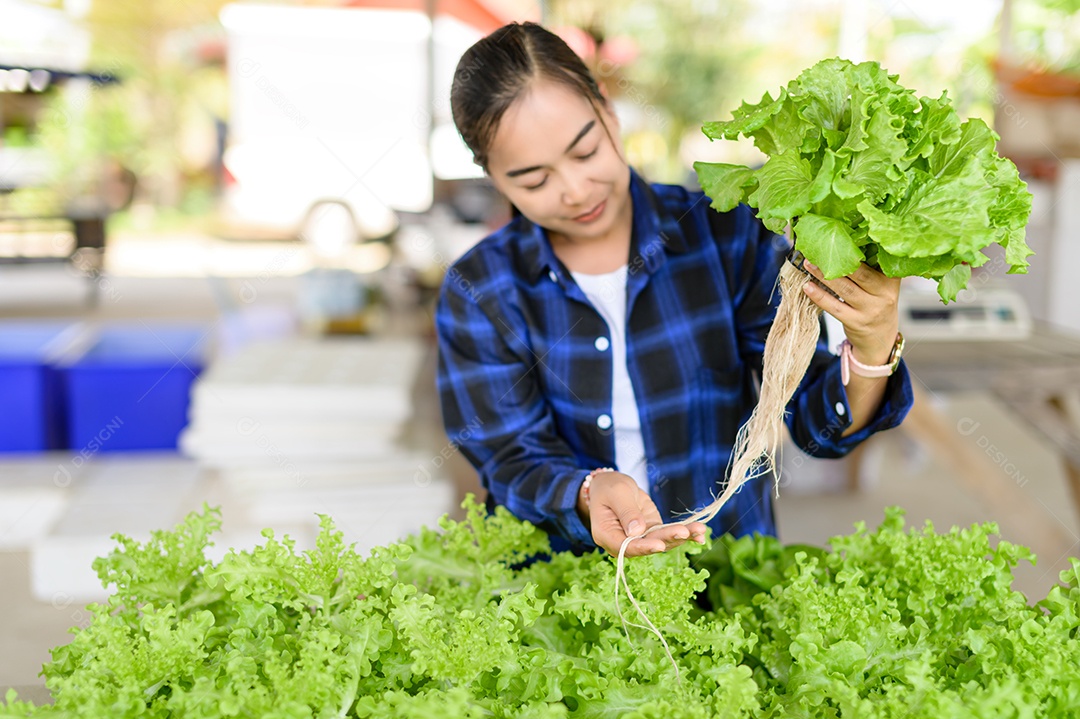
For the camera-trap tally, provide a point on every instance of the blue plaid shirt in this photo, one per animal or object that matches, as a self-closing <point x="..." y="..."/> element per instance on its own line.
<point x="526" y="388"/>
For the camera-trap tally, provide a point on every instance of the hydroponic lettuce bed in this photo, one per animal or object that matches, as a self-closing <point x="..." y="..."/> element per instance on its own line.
<point x="888" y="623"/>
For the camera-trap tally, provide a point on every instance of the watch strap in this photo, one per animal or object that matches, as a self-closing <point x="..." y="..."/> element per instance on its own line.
<point x="849" y="364"/>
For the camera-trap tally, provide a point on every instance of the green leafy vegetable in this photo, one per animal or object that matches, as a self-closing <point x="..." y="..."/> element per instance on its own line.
<point x="455" y="623"/>
<point x="863" y="171"/>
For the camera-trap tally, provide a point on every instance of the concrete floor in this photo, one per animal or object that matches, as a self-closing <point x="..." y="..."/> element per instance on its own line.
<point x="813" y="506"/>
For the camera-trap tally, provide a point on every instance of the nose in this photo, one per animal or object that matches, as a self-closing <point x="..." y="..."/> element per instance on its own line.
<point x="575" y="189"/>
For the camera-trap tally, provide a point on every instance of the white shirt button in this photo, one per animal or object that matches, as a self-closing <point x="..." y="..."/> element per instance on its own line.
<point x="840" y="409"/>
<point x="603" y="421"/>
<point x="602" y="343"/>
<point x="554" y="277"/>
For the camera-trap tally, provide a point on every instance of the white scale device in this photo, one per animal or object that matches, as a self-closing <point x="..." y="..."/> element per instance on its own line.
<point x="982" y="314"/>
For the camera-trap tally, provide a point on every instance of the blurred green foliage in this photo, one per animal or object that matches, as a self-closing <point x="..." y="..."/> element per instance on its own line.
<point x="687" y="68"/>
<point x="1047" y="34"/>
<point x="88" y="133"/>
<point x="152" y="45"/>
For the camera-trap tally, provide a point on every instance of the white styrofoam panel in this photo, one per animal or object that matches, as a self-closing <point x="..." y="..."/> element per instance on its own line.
<point x="43" y="470"/>
<point x="367" y="538"/>
<point x="305" y="380"/>
<point x="391" y="403"/>
<point x="128" y="494"/>
<point x="243" y="429"/>
<point x="398" y="467"/>
<point x="111" y="515"/>
<point x="370" y="499"/>
<point x="27" y="514"/>
<point x="320" y="363"/>
<point x="280" y="450"/>
<point x="61" y="568"/>
<point x="396" y="519"/>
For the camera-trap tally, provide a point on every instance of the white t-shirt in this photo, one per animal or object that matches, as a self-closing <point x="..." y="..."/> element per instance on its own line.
<point x="607" y="292"/>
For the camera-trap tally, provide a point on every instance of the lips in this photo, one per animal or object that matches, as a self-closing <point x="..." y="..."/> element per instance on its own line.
<point x="591" y="214"/>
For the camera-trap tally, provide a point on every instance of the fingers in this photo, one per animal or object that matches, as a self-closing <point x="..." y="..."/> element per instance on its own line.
<point x="694" y="532"/>
<point x="697" y="532"/>
<point x="870" y="300"/>
<point x="662" y="537"/>
<point x="865" y="280"/>
<point x="869" y="278"/>
<point x="828" y="303"/>
<point x="846" y="287"/>
<point x="653" y="537"/>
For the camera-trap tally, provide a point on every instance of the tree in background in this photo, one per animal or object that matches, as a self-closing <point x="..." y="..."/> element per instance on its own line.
<point x="145" y="44"/>
<point x="697" y="59"/>
<point x="1047" y="35"/>
<point x="95" y="148"/>
<point x="685" y="70"/>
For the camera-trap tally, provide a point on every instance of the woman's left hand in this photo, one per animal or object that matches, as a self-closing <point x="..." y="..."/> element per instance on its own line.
<point x="868" y="312"/>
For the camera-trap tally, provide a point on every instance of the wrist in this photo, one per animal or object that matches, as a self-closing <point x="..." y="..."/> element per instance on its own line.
<point x="850" y="363"/>
<point x="872" y="357"/>
<point x="585" y="492"/>
<point x="582" y="505"/>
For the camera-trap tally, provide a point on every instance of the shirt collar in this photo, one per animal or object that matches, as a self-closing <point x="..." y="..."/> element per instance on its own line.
<point x="651" y="221"/>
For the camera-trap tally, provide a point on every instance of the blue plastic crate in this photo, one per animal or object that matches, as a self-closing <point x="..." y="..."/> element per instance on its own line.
<point x="32" y="419"/>
<point x="130" y="389"/>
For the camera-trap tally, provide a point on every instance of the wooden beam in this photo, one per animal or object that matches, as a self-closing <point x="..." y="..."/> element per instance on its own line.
<point x="982" y="479"/>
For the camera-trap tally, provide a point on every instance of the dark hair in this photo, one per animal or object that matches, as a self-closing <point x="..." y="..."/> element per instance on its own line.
<point x="495" y="71"/>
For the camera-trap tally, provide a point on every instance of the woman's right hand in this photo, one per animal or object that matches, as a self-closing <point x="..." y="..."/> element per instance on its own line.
<point x="618" y="508"/>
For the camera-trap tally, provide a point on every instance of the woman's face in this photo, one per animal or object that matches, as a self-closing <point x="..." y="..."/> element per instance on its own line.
<point x="553" y="159"/>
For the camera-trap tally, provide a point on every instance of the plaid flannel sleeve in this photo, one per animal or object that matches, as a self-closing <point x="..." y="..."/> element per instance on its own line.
<point x="494" y="411"/>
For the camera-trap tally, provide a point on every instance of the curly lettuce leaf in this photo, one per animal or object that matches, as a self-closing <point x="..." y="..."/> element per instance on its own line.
<point x="918" y="191"/>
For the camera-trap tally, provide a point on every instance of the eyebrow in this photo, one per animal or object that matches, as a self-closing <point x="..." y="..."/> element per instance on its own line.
<point x="584" y="131"/>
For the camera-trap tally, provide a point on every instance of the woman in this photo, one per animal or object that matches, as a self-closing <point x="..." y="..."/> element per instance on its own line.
<point x="598" y="354"/>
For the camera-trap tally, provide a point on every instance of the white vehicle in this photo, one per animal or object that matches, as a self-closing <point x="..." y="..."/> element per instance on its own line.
<point x="329" y="120"/>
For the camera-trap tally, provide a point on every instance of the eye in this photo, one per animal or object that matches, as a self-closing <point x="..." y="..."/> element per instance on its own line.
<point x="536" y="186"/>
<point x="586" y="157"/>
